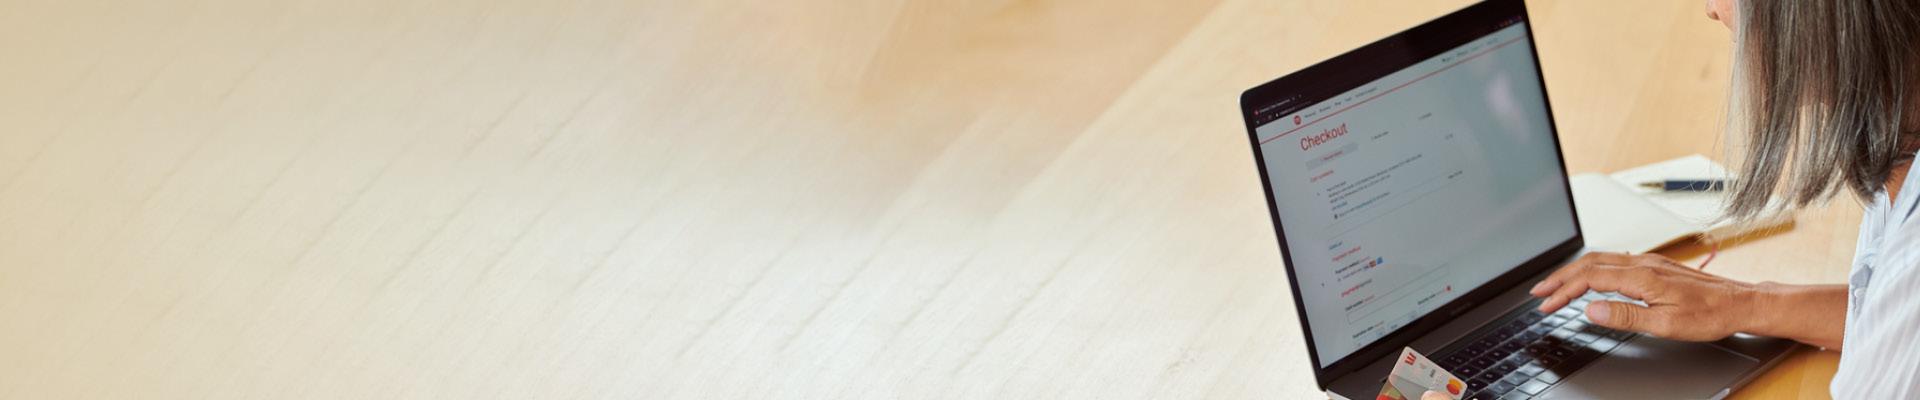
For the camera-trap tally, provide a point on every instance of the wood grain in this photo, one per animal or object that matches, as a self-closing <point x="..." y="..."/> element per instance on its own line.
<point x="725" y="199"/>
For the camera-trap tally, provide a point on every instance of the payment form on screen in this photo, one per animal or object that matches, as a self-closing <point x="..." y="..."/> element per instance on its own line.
<point x="1407" y="191"/>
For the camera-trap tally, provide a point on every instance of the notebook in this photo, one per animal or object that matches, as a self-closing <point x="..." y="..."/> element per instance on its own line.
<point x="1618" y="215"/>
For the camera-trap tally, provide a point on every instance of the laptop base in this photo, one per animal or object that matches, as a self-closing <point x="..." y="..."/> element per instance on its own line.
<point x="1641" y="367"/>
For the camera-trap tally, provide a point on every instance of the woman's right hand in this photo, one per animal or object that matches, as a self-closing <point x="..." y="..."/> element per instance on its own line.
<point x="1682" y="303"/>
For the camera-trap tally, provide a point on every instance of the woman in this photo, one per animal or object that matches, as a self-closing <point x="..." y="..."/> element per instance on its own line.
<point x="1829" y="101"/>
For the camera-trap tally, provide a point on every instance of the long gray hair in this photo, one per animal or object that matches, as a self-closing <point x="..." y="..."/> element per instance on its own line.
<point x="1821" y="90"/>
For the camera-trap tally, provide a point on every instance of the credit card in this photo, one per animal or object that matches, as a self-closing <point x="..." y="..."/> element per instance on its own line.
<point x="1413" y="375"/>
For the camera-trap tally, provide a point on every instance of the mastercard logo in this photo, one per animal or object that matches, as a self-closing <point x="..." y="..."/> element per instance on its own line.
<point x="1454" y="387"/>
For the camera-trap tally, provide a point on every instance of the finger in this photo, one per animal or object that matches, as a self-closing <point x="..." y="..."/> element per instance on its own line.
<point x="1432" y="395"/>
<point x="1630" y="281"/>
<point x="1572" y="287"/>
<point x="1546" y="290"/>
<point x="1557" y="278"/>
<point x="1638" y="283"/>
<point x="1630" y="317"/>
<point x="1545" y="287"/>
<point x="1554" y="280"/>
<point x="1569" y="282"/>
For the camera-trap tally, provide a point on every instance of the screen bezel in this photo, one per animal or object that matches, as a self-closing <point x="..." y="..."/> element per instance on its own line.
<point x="1314" y="84"/>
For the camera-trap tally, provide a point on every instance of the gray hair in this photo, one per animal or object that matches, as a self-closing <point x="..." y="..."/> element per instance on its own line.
<point x="1821" y="90"/>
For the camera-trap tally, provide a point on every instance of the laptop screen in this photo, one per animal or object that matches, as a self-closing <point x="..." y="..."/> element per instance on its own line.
<point x="1398" y="188"/>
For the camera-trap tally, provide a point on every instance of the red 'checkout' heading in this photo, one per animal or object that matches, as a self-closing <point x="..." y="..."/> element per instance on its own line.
<point x="1323" y="137"/>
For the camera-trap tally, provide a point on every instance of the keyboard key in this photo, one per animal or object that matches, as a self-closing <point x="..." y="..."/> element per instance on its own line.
<point x="1530" y="369"/>
<point x="1540" y="328"/>
<point x="1532" y="316"/>
<point x="1555" y="320"/>
<point x="1585" y="337"/>
<point x="1516" y="380"/>
<point x="1476" y="384"/>
<point x="1603" y="344"/>
<point x="1487" y="376"/>
<point x="1562" y="333"/>
<point x="1483" y="362"/>
<point x="1516" y="395"/>
<point x="1567" y="366"/>
<point x="1620" y="335"/>
<point x="1530" y="336"/>
<point x="1497" y="354"/>
<point x="1499" y="388"/>
<point x="1512" y="346"/>
<point x="1465" y="370"/>
<point x="1471" y="351"/>
<point x="1567" y="313"/>
<point x="1559" y="353"/>
<point x="1454" y="361"/>
<point x="1548" y="376"/>
<point x="1575" y="325"/>
<point x="1547" y="360"/>
<point x="1504" y="368"/>
<point x="1533" y="387"/>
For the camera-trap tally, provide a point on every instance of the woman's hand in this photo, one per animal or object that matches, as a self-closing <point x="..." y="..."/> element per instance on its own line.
<point x="1682" y="303"/>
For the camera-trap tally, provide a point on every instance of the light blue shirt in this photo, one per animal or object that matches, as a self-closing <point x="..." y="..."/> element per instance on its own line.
<point x="1880" y="358"/>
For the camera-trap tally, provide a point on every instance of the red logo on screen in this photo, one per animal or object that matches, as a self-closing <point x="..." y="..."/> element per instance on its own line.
<point x="1296" y="120"/>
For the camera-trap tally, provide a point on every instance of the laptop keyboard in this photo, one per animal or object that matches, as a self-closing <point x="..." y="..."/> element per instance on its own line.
<point x="1526" y="350"/>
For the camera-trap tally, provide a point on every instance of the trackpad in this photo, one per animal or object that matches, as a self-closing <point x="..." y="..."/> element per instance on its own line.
<point x="1648" y="368"/>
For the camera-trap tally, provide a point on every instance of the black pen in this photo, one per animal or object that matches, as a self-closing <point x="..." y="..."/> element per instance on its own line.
<point x="1687" y="185"/>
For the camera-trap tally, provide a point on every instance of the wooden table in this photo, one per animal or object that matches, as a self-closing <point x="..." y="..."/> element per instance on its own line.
<point x="717" y="199"/>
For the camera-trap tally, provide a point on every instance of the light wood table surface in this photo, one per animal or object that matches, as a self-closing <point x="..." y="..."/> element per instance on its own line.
<point x="717" y="199"/>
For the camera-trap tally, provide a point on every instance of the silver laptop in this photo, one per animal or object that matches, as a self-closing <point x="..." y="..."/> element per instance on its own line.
<point x="1417" y="190"/>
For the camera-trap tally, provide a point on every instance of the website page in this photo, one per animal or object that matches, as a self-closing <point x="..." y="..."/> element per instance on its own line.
<point x="1408" y="191"/>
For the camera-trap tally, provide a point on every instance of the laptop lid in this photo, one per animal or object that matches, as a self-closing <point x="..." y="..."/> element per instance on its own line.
<point x="1410" y="180"/>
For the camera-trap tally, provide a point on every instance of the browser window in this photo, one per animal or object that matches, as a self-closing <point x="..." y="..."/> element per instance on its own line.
<point x="1403" y="193"/>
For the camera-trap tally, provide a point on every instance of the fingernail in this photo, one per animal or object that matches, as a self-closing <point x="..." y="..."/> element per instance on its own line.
<point x="1599" y="313"/>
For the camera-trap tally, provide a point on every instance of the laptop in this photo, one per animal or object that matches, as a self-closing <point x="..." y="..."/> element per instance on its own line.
<point x="1417" y="190"/>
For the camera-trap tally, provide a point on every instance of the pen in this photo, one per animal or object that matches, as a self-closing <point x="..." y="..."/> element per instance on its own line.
<point x="1687" y="185"/>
